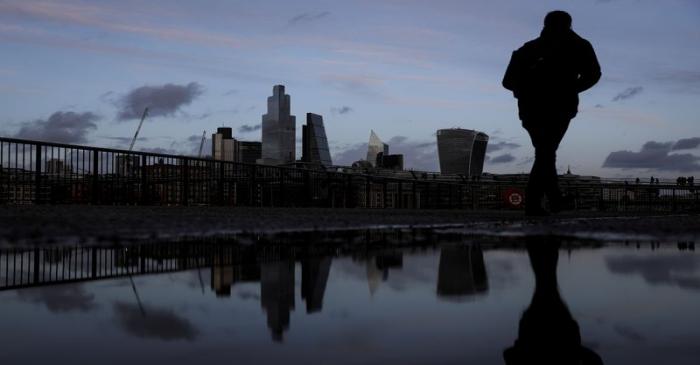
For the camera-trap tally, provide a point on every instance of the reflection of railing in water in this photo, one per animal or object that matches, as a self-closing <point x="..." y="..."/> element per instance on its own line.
<point x="35" y="267"/>
<point x="28" y="267"/>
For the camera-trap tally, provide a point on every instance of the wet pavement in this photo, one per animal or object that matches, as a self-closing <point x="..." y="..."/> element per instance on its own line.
<point x="110" y="224"/>
<point x="408" y="296"/>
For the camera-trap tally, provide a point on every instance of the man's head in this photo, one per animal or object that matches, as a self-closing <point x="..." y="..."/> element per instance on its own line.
<point x="557" y="20"/>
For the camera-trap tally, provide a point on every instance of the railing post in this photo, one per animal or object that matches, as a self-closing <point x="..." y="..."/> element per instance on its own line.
<point x="348" y="192"/>
<point x="281" y="183"/>
<point x="398" y="203"/>
<point x="307" y="188"/>
<point x="415" y="195"/>
<point x="254" y="186"/>
<point x="95" y="177"/>
<point x="37" y="175"/>
<point x="94" y="262"/>
<point x="384" y="193"/>
<point x="220" y="182"/>
<point x="37" y="262"/>
<point x="185" y="191"/>
<point x="144" y="180"/>
<point x="368" y="187"/>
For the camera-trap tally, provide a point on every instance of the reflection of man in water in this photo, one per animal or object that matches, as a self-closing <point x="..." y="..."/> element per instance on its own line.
<point x="548" y="334"/>
<point x="546" y="75"/>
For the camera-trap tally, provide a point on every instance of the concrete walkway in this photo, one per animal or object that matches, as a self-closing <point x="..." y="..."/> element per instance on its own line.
<point x="69" y="224"/>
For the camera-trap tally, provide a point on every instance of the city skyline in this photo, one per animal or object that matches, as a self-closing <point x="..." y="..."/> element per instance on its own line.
<point x="397" y="71"/>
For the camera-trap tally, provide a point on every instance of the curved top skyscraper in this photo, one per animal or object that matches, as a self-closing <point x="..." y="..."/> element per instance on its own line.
<point x="278" y="129"/>
<point x="461" y="151"/>
<point x="374" y="147"/>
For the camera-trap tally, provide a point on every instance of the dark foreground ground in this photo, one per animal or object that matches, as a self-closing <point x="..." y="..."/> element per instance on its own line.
<point x="106" y="224"/>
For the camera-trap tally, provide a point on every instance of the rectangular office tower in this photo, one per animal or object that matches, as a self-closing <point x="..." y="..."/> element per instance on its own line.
<point x="278" y="130"/>
<point x="223" y="146"/>
<point x="249" y="151"/>
<point x="461" y="151"/>
<point x="314" y="142"/>
<point x="374" y="147"/>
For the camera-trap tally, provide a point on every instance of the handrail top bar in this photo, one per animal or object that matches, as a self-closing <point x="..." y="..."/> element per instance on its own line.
<point x="379" y="178"/>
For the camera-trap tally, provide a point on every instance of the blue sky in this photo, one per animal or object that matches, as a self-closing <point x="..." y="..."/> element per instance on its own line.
<point x="404" y="68"/>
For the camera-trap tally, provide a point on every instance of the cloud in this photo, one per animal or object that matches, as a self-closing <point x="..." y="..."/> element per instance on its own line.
<point x="628" y="93"/>
<point x="194" y="141"/>
<point x="60" y="298"/>
<point x="361" y="85"/>
<point x="681" y="271"/>
<point x="246" y="128"/>
<point x="503" y="145"/>
<point x="62" y="127"/>
<point x="161" y="100"/>
<point x="686" y="144"/>
<point x="653" y="155"/>
<point x="341" y="110"/>
<point x="685" y="81"/>
<point x="160" y="150"/>
<point x="126" y="140"/>
<point x="505" y="158"/>
<point x="160" y="324"/>
<point x="308" y="17"/>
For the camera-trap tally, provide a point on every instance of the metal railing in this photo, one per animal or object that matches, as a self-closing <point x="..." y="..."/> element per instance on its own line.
<point x="34" y="172"/>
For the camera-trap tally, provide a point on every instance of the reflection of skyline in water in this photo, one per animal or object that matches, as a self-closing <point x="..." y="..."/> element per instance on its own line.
<point x="462" y="272"/>
<point x="452" y="271"/>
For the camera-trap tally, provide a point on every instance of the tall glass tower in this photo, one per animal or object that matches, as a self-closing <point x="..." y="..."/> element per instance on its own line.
<point x="314" y="142"/>
<point x="374" y="147"/>
<point x="278" y="129"/>
<point x="461" y="151"/>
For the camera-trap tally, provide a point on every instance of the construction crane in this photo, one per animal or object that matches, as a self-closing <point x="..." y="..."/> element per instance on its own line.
<point x="201" y="144"/>
<point x="136" y="135"/>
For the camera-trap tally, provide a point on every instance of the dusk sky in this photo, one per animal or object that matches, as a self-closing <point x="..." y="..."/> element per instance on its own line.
<point x="82" y="71"/>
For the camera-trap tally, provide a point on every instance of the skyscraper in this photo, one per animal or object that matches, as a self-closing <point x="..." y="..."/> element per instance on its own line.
<point x="226" y="148"/>
<point x="223" y="146"/>
<point x="374" y="147"/>
<point x="248" y="151"/>
<point x="476" y="167"/>
<point x="314" y="142"/>
<point x="278" y="129"/>
<point x="461" y="151"/>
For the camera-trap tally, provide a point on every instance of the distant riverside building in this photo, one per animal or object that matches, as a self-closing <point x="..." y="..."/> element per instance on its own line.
<point x="461" y="151"/>
<point x="314" y="142"/>
<point x="390" y="162"/>
<point x="127" y="165"/>
<point x="374" y="147"/>
<point x="59" y="167"/>
<point x="278" y="130"/>
<point x="226" y="148"/>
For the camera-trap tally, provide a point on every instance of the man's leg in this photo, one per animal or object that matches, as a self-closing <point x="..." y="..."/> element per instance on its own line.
<point x="543" y="177"/>
<point x="551" y="190"/>
<point x="538" y="175"/>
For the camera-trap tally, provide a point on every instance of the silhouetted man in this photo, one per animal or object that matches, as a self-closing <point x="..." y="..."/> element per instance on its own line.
<point x="548" y="333"/>
<point x="546" y="75"/>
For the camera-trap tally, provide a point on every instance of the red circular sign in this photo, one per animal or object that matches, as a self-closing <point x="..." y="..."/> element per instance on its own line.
<point x="514" y="197"/>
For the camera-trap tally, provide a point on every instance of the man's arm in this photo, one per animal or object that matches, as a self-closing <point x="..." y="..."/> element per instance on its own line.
<point x="589" y="72"/>
<point x="512" y="76"/>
